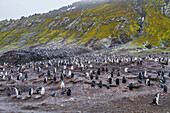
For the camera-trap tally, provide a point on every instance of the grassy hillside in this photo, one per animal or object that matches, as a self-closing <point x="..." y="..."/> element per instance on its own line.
<point x="116" y="21"/>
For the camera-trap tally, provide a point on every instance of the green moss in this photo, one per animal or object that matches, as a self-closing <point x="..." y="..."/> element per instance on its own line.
<point x="29" y="40"/>
<point x="87" y="37"/>
<point x="106" y="30"/>
<point x="2" y="35"/>
<point x="43" y="33"/>
<point x="71" y="38"/>
<point x="49" y="36"/>
<point x="156" y="26"/>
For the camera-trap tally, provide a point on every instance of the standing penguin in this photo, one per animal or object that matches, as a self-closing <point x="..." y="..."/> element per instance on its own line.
<point x="98" y="71"/>
<point x="93" y="84"/>
<point x="42" y="91"/>
<point x="30" y="91"/>
<point x="54" y="77"/>
<point x="72" y="68"/>
<point x="158" y="73"/>
<point x="167" y="61"/>
<point x="130" y="86"/>
<point x="117" y="81"/>
<point x="140" y="76"/>
<point x="61" y="77"/>
<point x="110" y="80"/>
<point x="69" y="73"/>
<point x="54" y="70"/>
<point x="39" y="69"/>
<point x="72" y="75"/>
<point x="106" y="69"/>
<point x="20" y="69"/>
<point x="82" y="67"/>
<point x="62" y="85"/>
<point x="112" y="74"/>
<point x="12" y="71"/>
<point x="69" y="92"/>
<point x="64" y="67"/>
<point x="26" y="76"/>
<point x="91" y="76"/>
<point x="10" y="77"/>
<point x="91" y="66"/>
<point x="156" y="99"/>
<point x="34" y="68"/>
<point x="100" y="84"/>
<point x="97" y="77"/>
<point x="6" y="73"/>
<point x="123" y="80"/>
<point x="45" y="80"/>
<point x="126" y="70"/>
<point x="18" y="77"/>
<point x="147" y="81"/>
<point x="63" y="71"/>
<point x="16" y="91"/>
<point x="145" y="74"/>
<point x="48" y="72"/>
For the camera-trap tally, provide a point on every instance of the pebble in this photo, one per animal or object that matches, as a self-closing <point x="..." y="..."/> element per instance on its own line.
<point x="132" y="100"/>
<point x="37" y="97"/>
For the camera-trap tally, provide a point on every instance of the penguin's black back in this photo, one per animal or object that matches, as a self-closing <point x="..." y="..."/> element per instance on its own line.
<point x="108" y="86"/>
<point x="100" y="84"/>
<point x="93" y="84"/>
<point x="123" y="80"/>
<point x="69" y="92"/>
<point x="110" y="80"/>
<point x="130" y="86"/>
<point x="91" y="76"/>
<point x="61" y="77"/>
<point x="165" y="88"/>
<point x="55" y="78"/>
<point x="117" y="81"/>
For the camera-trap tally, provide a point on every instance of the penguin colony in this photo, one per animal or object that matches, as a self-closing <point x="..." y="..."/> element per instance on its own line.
<point x="97" y="71"/>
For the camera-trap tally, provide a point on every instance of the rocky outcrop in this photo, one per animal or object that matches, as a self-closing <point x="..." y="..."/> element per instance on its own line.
<point x="20" y="57"/>
<point x="165" y="8"/>
<point x="23" y="56"/>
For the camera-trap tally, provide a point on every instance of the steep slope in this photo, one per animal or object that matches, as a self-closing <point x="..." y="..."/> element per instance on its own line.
<point x="94" y="23"/>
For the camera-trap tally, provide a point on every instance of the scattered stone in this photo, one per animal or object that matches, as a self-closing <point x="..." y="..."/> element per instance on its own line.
<point x="131" y="99"/>
<point x="30" y="107"/>
<point x="37" y="97"/>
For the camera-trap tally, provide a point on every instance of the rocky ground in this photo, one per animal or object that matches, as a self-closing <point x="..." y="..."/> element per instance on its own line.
<point x="85" y="98"/>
